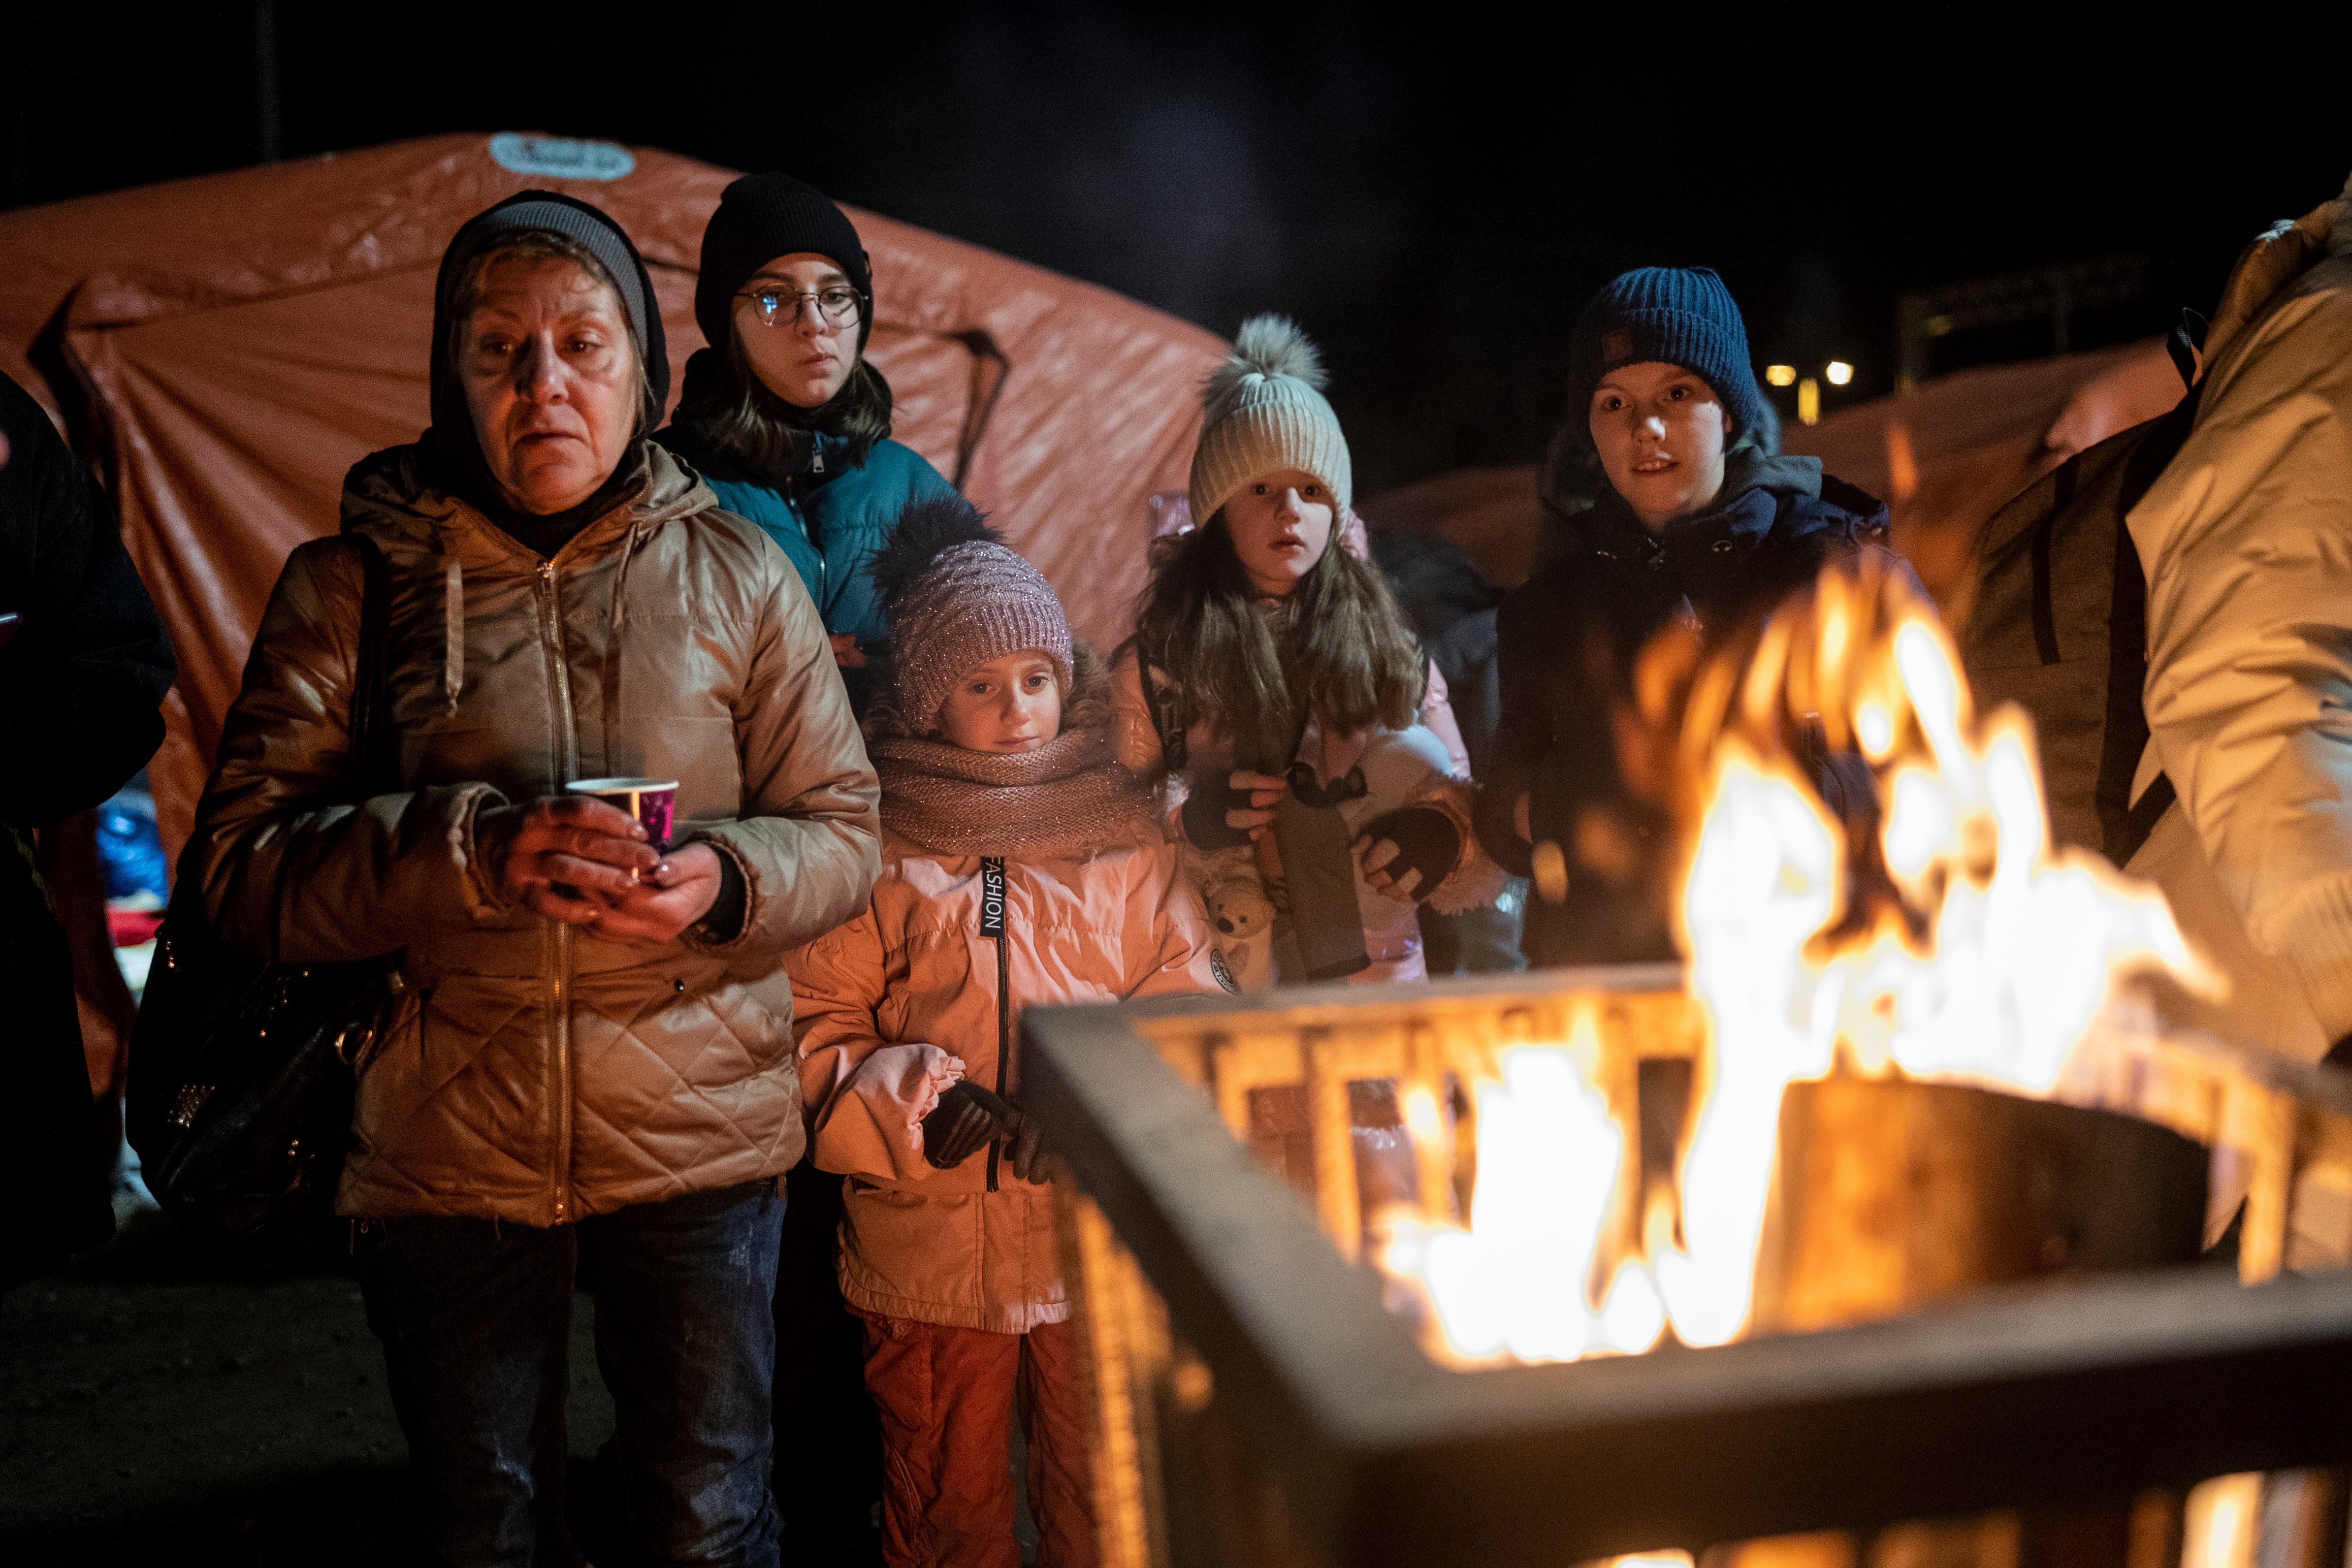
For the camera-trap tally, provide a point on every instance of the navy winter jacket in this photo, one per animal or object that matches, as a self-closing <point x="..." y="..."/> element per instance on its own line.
<point x="1566" y="644"/>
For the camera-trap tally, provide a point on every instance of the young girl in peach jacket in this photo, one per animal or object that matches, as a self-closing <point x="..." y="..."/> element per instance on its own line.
<point x="1022" y="865"/>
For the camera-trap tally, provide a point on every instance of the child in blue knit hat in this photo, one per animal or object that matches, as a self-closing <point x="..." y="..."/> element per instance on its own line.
<point x="1695" y="525"/>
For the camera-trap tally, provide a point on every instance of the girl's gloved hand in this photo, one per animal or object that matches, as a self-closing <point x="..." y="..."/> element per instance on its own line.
<point x="968" y="1116"/>
<point x="1221" y="814"/>
<point x="1405" y="854"/>
<point x="964" y="1120"/>
<point x="1024" y="1150"/>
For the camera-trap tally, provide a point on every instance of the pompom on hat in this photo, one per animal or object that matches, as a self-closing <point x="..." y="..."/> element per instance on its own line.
<point x="1264" y="410"/>
<point x="959" y="596"/>
<point x="1665" y="315"/>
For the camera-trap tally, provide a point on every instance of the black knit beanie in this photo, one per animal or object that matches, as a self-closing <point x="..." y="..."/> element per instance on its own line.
<point x="760" y="218"/>
<point x="1666" y="314"/>
<point x="457" y="460"/>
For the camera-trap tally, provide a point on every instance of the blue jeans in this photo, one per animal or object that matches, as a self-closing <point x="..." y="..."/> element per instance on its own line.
<point x="475" y="1317"/>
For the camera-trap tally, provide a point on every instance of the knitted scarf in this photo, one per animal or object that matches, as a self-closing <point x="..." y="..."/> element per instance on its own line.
<point x="1065" y="800"/>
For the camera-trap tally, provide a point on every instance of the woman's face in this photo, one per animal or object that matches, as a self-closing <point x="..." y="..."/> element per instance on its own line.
<point x="799" y="355"/>
<point x="551" y="380"/>
<point x="1012" y="704"/>
<point x="1660" y="429"/>
<point x="1281" y="525"/>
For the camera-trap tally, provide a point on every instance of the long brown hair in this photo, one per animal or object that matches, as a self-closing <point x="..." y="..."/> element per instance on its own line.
<point x="734" y="416"/>
<point x="1337" y="647"/>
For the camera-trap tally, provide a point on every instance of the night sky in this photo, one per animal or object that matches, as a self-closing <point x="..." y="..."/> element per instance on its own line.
<point x="1432" y="191"/>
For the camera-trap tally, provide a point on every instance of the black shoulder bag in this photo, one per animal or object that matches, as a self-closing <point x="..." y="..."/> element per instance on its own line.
<point x="243" y="1069"/>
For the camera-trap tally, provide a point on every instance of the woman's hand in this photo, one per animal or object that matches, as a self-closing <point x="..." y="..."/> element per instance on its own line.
<point x="567" y="857"/>
<point x="1265" y="790"/>
<point x="663" y="902"/>
<point x="1371" y="859"/>
<point x="845" y="650"/>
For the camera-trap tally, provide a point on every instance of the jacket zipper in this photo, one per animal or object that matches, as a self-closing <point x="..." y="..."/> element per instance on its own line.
<point x="567" y="750"/>
<point x="816" y="547"/>
<point x="792" y="500"/>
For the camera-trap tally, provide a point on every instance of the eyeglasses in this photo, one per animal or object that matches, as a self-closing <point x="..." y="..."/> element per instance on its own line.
<point x="838" y="306"/>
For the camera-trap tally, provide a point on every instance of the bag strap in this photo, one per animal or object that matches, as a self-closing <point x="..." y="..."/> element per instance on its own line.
<point x="2124" y="826"/>
<point x="371" y="762"/>
<point x="1160" y="698"/>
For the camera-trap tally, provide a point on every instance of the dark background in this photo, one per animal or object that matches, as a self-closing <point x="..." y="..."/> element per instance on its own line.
<point x="1433" y="193"/>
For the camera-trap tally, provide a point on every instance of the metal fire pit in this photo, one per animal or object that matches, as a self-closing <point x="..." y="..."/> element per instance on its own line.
<point x="1256" y="1402"/>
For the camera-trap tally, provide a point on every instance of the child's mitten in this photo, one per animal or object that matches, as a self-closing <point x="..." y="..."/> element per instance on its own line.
<point x="1427" y="842"/>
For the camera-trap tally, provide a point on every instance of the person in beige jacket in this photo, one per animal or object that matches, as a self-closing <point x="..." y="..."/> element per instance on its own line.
<point x="2246" y="538"/>
<point x="1022" y="865"/>
<point x="591" y="1054"/>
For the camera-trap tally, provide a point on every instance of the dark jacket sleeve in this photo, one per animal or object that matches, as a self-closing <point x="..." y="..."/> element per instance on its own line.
<point x="1523" y="737"/>
<point x="87" y="663"/>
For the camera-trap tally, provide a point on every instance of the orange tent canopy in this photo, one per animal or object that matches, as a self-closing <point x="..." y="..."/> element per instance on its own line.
<point x="227" y="346"/>
<point x="1977" y="437"/>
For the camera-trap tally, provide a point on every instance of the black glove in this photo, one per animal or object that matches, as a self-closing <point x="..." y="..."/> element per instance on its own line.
<point x="964" y="1120"/>
<point x="1024" y="1148"/>
<point x="1426" y="840"/>
<point x="1208" y="799"/>
<point x="968" y="1116"/>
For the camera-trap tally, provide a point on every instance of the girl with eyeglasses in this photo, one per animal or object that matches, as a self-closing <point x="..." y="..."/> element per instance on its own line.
<point x="783" y="413"/>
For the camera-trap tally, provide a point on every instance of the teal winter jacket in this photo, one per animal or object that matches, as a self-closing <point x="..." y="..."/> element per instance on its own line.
<point x="830" y="518"/>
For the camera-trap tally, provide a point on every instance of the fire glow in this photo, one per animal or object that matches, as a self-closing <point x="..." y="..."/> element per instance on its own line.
<point x="1944" y="938"/>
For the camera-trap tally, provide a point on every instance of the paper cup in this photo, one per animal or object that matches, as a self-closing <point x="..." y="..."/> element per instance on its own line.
<point x="652" y="801"/>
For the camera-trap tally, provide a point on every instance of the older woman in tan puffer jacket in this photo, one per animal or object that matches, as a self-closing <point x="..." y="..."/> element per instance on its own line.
<point x="1022" y="865"/>
<point x="592" y="1051"/>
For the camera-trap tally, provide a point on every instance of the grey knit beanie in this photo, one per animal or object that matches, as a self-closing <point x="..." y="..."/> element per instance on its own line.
<point x="959" y="596"/>
<point x="1263" y="410"/>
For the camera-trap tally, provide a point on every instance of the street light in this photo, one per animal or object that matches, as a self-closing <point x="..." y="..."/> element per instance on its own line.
<point x="1837" y="372"/>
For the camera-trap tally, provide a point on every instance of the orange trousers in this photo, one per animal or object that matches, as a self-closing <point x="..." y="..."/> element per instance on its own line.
<point x="946" y="1395"/>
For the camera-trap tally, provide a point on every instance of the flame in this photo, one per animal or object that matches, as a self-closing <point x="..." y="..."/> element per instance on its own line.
<point x="1924" y="925"/>
<point x="1514" y="1284"/>
<point x="1966" y="948"/>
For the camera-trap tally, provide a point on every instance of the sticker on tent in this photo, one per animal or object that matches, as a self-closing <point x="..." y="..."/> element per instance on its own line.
<point x="560" y="157"/>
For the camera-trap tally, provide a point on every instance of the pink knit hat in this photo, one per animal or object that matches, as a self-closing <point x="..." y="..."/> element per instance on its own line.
<point x="958" y="597"/>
